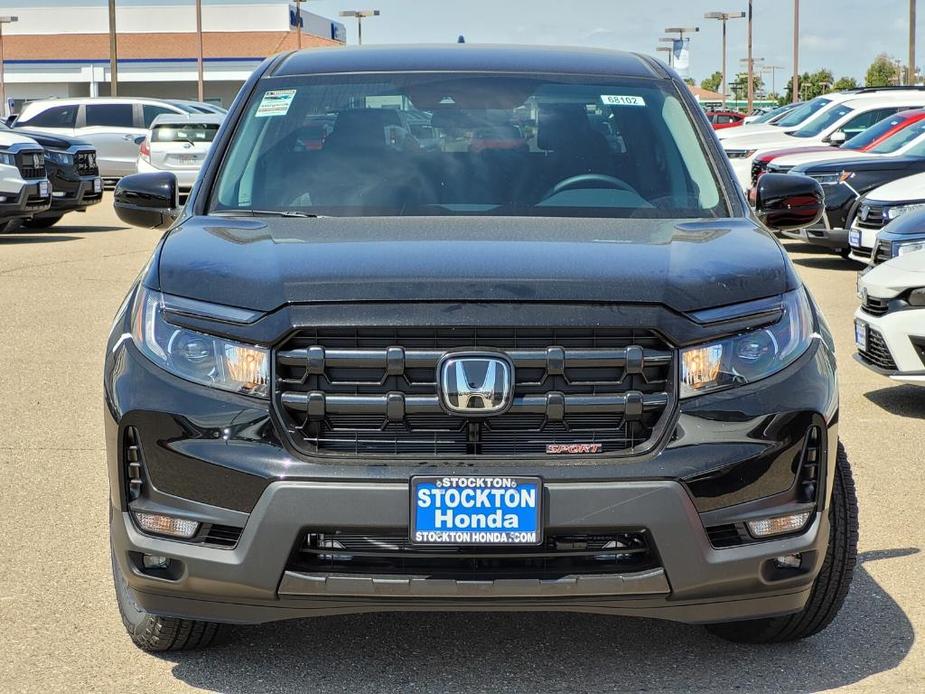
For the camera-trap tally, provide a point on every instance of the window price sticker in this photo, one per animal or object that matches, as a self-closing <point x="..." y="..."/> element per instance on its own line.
<point x="618" y="100"/>
<point x="275" y="103"/>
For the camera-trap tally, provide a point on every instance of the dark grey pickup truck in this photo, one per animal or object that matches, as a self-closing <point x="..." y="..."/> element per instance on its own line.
<point x="472" y="328"/>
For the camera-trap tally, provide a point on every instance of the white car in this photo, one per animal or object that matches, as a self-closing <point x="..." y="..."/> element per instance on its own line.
<point x="24" y="187"/>
<point x="179" y="144"/>
<point x="873" y="222"/>
<point x="889" y="326"/>
<point x="833" y="125"/>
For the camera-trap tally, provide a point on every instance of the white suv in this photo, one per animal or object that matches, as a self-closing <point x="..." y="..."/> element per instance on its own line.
<point x="889" y="326"/>
<point x="179" y="144"/>
<point x="114" y="126"/>
<point x="24" y="189"/>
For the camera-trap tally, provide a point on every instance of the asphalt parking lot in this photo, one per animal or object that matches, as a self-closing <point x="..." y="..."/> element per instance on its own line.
<point x="60" y="630"/>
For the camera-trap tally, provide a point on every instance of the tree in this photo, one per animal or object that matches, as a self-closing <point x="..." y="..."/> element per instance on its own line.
<point x="713" y="83"/>
<point x="690" y="81"/>
<point x="883" y="72"/>
<point x="740" y="85"/>
<point x="845" y="83"/>
<point x="812" y="85"/>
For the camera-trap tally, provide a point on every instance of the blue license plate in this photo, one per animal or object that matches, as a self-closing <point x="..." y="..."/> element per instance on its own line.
<point x="476" y="510"/>
<point x="860" y="334"/>
<point x="854" y="238"/>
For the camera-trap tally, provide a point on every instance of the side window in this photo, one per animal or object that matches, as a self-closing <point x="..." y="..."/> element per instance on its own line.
<point x="863" y="121"/>
<point x="54" y="117"/>
<point x="112" y="115"/>
<point x="151" y="112"/>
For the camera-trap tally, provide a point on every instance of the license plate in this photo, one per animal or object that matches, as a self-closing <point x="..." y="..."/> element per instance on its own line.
<point x="476" y="510"/>
<point x="97" y="185"/>
<point x="186" y="158"/>
<point x="43" y="189"/>
<point x="860" y="334"/>
<point x="854" y="238"/>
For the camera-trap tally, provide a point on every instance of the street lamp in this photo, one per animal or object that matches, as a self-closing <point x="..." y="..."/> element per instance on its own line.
<point x="680" y="31"/>
<point x="910" y="80"/>
<point x="666" y="49"/>
<point x="3" y="20"/>
<point x="773" y="70"/>
<point x="359" y="14"/>
<point x="113" y="51"/>
<point x="200" y="86"/>
<point x="795" y="84"/>
<point x="670" y="49"/>
<point x="724" y="17"/>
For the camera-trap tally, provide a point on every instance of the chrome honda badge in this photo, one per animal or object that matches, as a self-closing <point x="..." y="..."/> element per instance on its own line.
<point x="475" y="384"/>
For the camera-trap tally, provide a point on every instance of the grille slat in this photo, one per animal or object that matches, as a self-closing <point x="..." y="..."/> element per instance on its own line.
<point x="883" y="252"/>
<point x="871" y="217"/>
<point x="373" y="390"/>
<point x="31" y="164"/>
<point x="875" y="306"/>
<point x="86" y="163"/>
<point x="877" y="352"/>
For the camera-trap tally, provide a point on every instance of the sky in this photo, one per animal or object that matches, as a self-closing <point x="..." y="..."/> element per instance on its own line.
<point x="842" y="35"/>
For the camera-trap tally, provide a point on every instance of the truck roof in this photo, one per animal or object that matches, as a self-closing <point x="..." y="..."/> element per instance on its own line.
<point x="469" y="58"/>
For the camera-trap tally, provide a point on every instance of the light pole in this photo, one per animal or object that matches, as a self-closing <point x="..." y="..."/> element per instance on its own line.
<point x="199" y="60"/>
<point x="910" y="80"/>
<point x="668" y="50"/>
<point x="773" y="70"/>
<point x="795" y="84"/>
<point x="113" y="51"/>
<point x="751" y="63"/>
<point x="3" y="20"/>
<point x="724" y="17"/>
<point x="751" y="76"/>
<point x="359" y="14"/>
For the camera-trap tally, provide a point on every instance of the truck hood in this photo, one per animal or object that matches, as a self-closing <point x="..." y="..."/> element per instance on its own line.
<point x="52" y="141"/>
<point x="264" y="263"/>
<point x="907" y="189"/>
<point x="869" y="163"/>
<point x="821" y="155"/>
<point x="895" y="276"/>
<point x="749" y="130"/>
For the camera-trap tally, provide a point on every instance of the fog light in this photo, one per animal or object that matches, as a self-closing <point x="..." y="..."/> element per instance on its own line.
<point x="154" y="562"/>
<point x="767" y="527"/>
<point x="165" y="525"/>
<point x="789" y="561"/>
<point x="58" y="194"/>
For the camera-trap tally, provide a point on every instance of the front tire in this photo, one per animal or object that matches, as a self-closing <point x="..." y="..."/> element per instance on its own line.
<point x="159" y="634"/>
<point x="832" y="583"/>
<point x="42" y="222"/>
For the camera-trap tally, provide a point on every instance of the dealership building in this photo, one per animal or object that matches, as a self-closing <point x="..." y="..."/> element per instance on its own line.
<point x="62" y="49"/>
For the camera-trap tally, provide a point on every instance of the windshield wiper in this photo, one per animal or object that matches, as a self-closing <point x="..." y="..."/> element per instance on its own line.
<point x="264" y="213"/>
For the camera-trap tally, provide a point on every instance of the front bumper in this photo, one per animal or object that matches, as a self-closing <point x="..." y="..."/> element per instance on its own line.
<point x="23" y="198"/>
<point x="821" y="235"/>
<point x="903" y="336"/>
<point x="217" y="458"/>
<point x="71" y="191"/>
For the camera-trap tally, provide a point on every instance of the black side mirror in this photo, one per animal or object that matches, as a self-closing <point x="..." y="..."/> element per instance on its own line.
<point x="786" y="202"/>
<point x="149" y="200"/>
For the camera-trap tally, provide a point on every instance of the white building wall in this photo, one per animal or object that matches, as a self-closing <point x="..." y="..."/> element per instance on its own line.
<point x="147" y="19"/>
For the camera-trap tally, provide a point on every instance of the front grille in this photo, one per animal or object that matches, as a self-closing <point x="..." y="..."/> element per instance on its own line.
<point x="883" y="252"/>
<point x="85" y="162"/>
<point x="875" y="306"/>
<point x="373" y="391"/>
<point x="871" y="217"/>
<point x="877" y="352"/>
<point x="391" y="553"/>
<point x="221" y="535"/>
<point x="31" y="163"/>
<point x="729" y="535"/>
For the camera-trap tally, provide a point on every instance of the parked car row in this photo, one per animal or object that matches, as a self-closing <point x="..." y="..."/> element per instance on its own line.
<point x="874" y="188"/>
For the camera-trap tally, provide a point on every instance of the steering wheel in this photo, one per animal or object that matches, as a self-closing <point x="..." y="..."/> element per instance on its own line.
<point x="579" y="181"/>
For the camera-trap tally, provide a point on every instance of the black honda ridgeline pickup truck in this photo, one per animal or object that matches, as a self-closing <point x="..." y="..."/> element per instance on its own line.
<point x="507" y="337"/>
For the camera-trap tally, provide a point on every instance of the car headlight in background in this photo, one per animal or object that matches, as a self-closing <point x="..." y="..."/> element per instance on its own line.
<point x="740" y="153"/>
<point x="751" y="356"/>
<point x="898" y="211"/>
<point x="903" y="247"/>
<point x="59" y="157"/>
<point x="197" y="357"/>
<point x="7" y="158"/>
<point x="917" y="297"/>
<point x="831" y="179"/>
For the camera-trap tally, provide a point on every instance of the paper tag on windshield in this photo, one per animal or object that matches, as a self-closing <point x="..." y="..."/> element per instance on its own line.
<point x="275" y="103"/>
<point x="618" y="100"/>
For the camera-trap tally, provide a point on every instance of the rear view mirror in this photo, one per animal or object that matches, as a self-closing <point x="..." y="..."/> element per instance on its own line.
<point x="838" y="138"/>
<point x="786" y="202"/>
<point x="148" y="200"/>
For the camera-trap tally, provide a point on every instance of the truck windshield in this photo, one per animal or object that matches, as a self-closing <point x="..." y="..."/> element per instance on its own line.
<point x="803" y="112"/>
<point x="456" y="144"/>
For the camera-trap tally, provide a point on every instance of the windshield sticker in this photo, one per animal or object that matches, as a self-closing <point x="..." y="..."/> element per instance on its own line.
<point x="617" y="100"/>
<point x="275" y="103"/>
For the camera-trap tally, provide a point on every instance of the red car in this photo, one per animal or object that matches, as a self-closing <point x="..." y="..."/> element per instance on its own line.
<point x="863" y="142"/>
<point x="725" y="119"/>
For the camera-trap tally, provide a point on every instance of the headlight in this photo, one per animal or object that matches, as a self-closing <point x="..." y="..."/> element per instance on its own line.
<point x="750" y="356"/>
<point x="903" y="247"/>
<point x="894" y="212"/>
<point x="59" y="157"/>
<point x="195" y="356"/>
<point x="7" y="158"/>
<point x="740" y="153"/>
<point x="832" y="179"/>
<point x="917" y="297"/>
